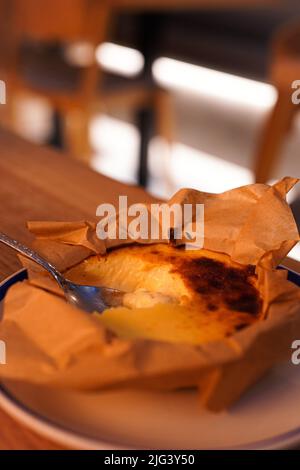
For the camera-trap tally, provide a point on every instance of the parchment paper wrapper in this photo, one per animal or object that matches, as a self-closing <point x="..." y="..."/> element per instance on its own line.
<point x="50" y="342"/>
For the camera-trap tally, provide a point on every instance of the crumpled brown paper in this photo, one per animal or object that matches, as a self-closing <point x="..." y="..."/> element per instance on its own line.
<point x="50" y="342"/>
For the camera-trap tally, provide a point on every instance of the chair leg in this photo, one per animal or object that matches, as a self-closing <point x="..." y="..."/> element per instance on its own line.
<point x="276" y="128"/>
<point x="76" y="133"/>
<point x="56" y="138"/>
<point x="164" y="114"/>
<point x="145" y="124"/>
<point x="164" y="122"/>
<point x="8" y="112"/>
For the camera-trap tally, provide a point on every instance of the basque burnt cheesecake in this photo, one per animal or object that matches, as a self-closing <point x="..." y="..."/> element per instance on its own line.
<point x="173" y="294"/>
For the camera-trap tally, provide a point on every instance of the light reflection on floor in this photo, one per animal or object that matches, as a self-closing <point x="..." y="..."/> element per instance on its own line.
<point x="116" y="146"/>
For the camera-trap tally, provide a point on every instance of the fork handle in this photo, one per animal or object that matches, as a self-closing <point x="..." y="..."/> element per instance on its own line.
<point x="29" y="253"/>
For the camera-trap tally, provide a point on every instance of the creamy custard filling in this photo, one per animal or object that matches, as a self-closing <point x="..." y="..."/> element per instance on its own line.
<point x="142" y="298"/>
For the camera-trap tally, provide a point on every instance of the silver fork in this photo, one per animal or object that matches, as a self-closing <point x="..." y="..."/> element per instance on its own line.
<point x="88" y="298"/>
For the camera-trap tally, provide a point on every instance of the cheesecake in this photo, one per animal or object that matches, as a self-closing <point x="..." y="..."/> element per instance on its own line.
<point x="173" y="294"/>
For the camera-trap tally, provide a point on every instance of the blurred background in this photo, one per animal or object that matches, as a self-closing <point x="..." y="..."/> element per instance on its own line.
<point x="163" y="93"/>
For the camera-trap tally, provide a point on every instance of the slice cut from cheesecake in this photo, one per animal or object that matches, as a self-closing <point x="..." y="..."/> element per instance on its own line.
<point x="173" y="294"/>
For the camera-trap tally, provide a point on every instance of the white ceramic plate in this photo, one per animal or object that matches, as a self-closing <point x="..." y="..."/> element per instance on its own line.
<point x="268" y="416"/>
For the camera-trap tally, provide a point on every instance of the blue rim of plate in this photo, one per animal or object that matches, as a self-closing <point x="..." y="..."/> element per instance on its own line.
<point x="286" y="439"/>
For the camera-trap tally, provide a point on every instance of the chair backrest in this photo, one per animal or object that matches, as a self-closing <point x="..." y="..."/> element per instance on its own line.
<point x="285" y="57"/>
<point x="56" y="20"/>
<point x="287" y="39"/>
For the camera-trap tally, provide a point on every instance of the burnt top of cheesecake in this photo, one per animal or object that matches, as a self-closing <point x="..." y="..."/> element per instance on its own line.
<point x="217" y="282"/>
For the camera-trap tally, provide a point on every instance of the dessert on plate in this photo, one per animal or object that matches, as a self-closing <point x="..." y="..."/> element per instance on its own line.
<point x="216" y="318"/>
<point x="173" y="294"/>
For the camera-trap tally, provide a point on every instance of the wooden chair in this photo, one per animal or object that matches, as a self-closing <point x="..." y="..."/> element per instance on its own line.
<point x="284" y="70"/>
<point x="75" y="92"/>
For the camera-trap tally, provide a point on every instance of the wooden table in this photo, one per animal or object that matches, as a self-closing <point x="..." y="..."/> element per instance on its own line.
<point x="41" y="184"/>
